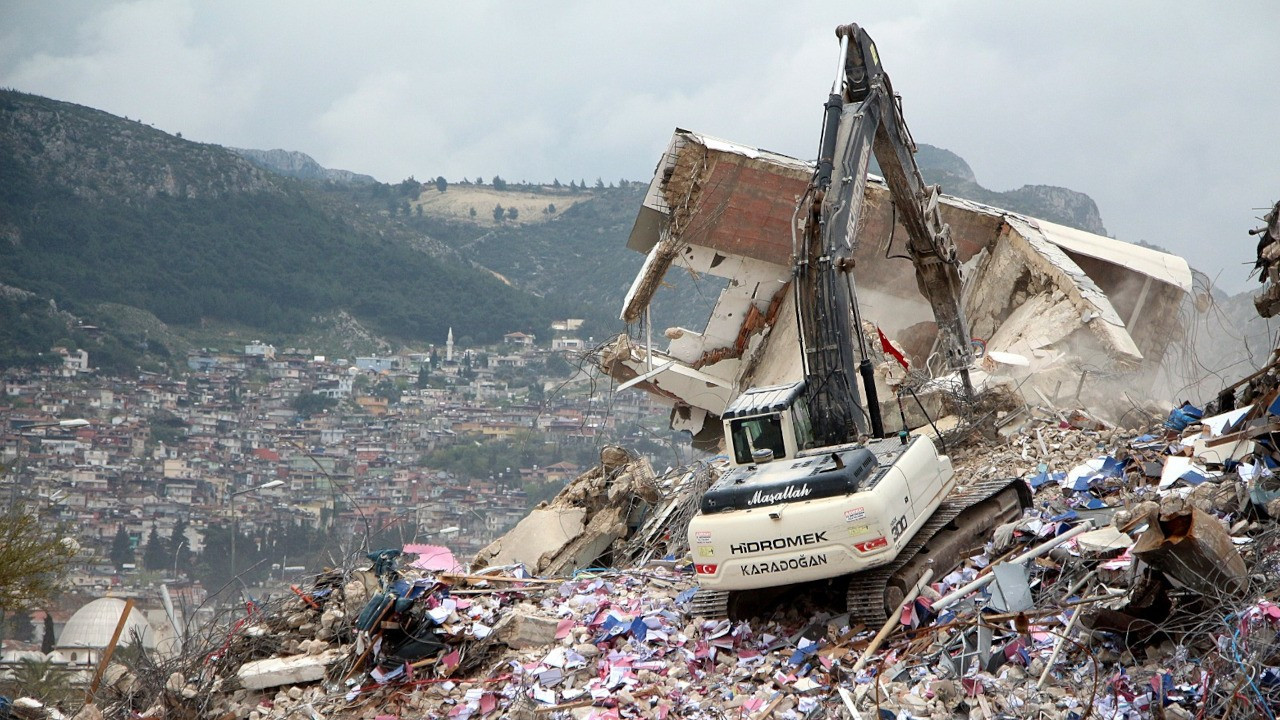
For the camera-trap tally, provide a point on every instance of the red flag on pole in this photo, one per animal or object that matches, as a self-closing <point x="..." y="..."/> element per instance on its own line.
<point x="889" y="348"/>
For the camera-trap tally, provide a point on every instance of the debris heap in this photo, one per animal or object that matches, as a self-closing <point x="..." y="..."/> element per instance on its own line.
<point x="1143" y="583"/>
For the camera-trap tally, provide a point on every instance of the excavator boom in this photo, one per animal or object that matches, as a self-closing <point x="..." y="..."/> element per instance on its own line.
<point x="863" y="116"/>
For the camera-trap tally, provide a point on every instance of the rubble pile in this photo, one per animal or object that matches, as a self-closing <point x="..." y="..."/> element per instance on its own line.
<point x="1143" y="583"/>
<point x="582" y="521"/>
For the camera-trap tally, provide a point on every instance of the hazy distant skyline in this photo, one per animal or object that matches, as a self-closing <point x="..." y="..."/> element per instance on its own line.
<point x="1163" y="112"/>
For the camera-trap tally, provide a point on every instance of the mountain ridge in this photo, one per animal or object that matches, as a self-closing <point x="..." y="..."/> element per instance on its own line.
<point x="1046" y="202"/>
<point x="98" y="209"/>
<point x="300" y="166"/>
<point x="291" y="241"/>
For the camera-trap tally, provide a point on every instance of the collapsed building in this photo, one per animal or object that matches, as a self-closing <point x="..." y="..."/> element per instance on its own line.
<point x="1044" y="301"/>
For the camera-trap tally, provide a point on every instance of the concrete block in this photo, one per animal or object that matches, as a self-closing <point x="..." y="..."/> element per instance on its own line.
<point x="292" y="670"/>
<point x="1103" y="542"/>
<point x="1193" y="547"/>
<point x="520" y="630"/>
<point x="543" y="532"/>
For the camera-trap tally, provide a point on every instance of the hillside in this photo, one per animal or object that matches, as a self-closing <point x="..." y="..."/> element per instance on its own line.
<point x="1047" y="202"/>
<point x="577" y="255"/>
<point x="300" y="166"/>
<point x="99" y="209"/>
<point x="110" y="220"/>
<point x="476" y="204"/>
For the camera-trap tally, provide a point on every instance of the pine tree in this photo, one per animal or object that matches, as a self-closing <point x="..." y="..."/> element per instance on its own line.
<point x="46" y="640"/>
<point x="121" y="549"/>
<point x="178" y="549"/>
<point x="154" y="556"/>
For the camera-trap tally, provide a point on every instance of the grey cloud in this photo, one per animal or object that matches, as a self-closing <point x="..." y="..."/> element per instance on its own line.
<point x="1161" y="111"/>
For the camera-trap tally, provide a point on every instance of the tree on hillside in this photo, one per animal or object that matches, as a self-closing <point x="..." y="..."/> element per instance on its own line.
<point x="472" y="213"/>
<point x="499" y="183"/>
<point x="409" y="187"/>
<point x="441" y="183"/>
<point x="387" y="390"/>
<point x="308" y="404"/>
<point x="179" y="549"/>
<point x="557" y="366"/>
<point x="32" y="560"/>
<point x="121" y="549"/>
<point x="498" y="212"/>
<point x="153" y="555"/>
<point x="599" y="184"/>
<point x="512" y="213"/>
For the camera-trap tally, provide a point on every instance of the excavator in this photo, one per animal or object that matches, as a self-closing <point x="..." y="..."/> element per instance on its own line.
<point x="816" y="492"/>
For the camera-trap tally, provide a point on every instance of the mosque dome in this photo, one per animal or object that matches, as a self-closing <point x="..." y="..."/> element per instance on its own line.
<point x="91" y="626"/>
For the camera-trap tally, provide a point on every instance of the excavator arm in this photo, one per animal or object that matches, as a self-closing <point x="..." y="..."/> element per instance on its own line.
<point x="863" y="116"/>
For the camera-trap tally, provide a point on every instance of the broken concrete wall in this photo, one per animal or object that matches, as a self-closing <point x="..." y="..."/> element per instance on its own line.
<point x="581" y="522"/>
<point x="1026" y="295"/>
<point x="727" y="210"/>
<point x="1142" y="302"/>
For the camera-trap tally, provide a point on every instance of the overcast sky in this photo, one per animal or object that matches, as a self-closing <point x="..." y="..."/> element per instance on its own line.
<point x="1166" y="113"/>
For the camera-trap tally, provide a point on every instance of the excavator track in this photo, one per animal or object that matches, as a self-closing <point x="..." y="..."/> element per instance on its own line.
<point x="710" y="604"/>
<point x="875" y="593"/>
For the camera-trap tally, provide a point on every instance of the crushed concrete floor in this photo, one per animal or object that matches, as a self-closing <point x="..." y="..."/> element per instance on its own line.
<point x="1143" y="583"/>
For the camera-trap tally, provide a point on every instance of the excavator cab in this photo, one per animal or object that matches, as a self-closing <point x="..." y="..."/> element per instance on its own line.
<point x="768" y="423"/>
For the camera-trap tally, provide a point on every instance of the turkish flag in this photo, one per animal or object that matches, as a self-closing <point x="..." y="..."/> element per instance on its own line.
<point x="889" y="348"/>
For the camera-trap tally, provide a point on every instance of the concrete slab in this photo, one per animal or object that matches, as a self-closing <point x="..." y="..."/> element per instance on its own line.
<point x="1103" y="542"/>
<point x="521" y="629"/>
<point x="291" y="670"/>
<point x="543" y="532"/>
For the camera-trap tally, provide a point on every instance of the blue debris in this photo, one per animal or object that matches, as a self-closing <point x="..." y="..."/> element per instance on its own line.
<point x="1181" y="417"/>
<point x="802" y="654"/>
<point x="1112" y="468"/>
<point x="1080" y="484"/>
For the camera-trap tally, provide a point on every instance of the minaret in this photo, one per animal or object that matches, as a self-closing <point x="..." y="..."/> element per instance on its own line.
<point x="448" y="347"/>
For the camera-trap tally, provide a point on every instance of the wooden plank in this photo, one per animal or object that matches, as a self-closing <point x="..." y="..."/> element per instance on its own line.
<point x="106" y="654"/>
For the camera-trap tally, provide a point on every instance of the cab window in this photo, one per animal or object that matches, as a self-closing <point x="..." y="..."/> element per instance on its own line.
<point x="800" y="422"/>
<point x="764" y="431"/>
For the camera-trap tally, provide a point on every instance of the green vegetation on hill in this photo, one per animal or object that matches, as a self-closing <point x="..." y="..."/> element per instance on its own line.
<point x="97" y="209"/>
<point x="270" y="261"/>
<point x="164" y="243"/>
<point x="578" y="257"/>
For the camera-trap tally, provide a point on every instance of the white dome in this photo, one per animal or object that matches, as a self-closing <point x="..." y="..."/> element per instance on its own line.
<point x="93" y="625"/>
